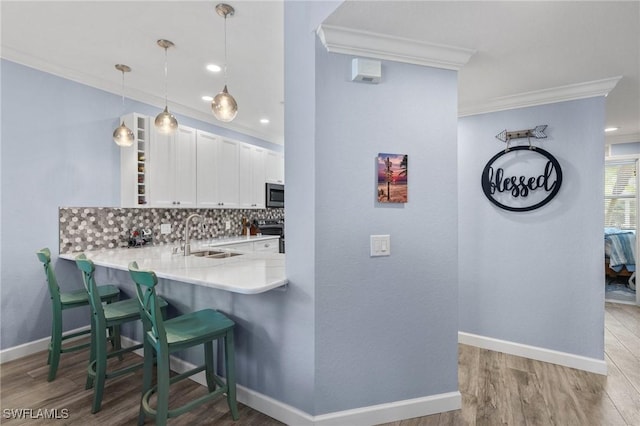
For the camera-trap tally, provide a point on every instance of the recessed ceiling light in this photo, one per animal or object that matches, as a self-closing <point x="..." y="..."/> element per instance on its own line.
<point x="214" y="68"/>
<point x="207" y="98"/>
<point x="611" y="129"/>
<point x="264" y="120"/>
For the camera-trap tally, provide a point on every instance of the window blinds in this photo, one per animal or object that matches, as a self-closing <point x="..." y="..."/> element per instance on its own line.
<point x="620" y="193"/>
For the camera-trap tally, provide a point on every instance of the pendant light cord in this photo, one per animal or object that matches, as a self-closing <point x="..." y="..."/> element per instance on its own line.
<point x="123" y="90"/>
<point x="166" y="90"/>
<point x="225" y="49"/>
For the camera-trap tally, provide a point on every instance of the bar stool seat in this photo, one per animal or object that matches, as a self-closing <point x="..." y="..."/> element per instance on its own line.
<point x="61" y="301"/>
<point x="106" y="317"/>
<point x="81" y="298"/>
<point x="165" y="337"/>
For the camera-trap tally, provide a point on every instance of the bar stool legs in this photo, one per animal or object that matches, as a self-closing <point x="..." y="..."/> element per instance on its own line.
<point x="106" y="317"/>
<point x="165" y="337"/>
<point x="61" y="301"/>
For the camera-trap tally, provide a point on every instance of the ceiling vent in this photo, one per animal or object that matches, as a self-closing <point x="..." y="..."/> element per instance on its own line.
<point x="366" y="70"/>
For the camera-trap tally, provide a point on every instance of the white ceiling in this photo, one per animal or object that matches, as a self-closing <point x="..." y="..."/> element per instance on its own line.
<point x="520" y="47"/>
<point x="83" y="40"/>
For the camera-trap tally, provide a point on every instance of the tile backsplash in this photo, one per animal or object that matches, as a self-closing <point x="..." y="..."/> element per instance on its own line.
<point x="95" y="228"/>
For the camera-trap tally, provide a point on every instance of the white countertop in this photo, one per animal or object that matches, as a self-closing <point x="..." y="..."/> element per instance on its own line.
<point x="249" y="273"/>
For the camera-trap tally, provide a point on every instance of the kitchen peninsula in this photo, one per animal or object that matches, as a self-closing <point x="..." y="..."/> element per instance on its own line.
<point x="238" y="270"/>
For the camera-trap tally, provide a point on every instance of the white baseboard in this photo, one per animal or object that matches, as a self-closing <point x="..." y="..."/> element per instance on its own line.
<point x="29" y="348"/>
<point x="592" y="365"/>
<point x="375" y="414"/>
<point x="381" y="413"/>
<point x="392" y="411"/>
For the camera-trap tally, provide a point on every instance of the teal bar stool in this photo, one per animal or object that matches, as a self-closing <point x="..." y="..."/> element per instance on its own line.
<point x="61" y="301"/>
<point x="165" y="337"/>
<point x="106" y="317"/>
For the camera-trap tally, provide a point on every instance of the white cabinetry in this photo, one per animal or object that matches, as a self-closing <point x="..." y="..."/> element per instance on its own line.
<point x="252" y="176"/>
<point x="133" y="163"/>
<point x="218" y="171"/>
<point x="271" y="245"/>
<point x="274" y="167"/>
<point x="172" y="168"/>
<point x="193" y="168"/>
<point x="268" y="246"/>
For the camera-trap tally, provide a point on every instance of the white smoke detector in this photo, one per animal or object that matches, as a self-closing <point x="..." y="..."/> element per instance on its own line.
<point x="366" y="70"/>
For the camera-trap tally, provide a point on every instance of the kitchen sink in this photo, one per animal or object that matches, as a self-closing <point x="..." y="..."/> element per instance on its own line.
<point x="214" y="254"/>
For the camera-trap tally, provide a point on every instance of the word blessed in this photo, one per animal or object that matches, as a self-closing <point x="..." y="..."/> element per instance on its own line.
<point x="498" y="185"/>
<point x="520" y="185"/>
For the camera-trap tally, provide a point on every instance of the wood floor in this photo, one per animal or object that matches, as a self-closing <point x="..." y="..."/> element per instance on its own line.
<point x="497" y="389"/>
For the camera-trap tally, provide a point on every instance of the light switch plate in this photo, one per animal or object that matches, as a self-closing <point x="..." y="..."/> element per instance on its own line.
<point x="227" y="225"/>
<point x="380" y="245"/>
<point x="165" y="228"/>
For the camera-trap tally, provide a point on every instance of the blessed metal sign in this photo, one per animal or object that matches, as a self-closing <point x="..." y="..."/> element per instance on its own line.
<point x="521" y="179"/>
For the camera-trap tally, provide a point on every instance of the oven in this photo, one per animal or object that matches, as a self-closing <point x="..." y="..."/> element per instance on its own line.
<point x="271" y="227"/>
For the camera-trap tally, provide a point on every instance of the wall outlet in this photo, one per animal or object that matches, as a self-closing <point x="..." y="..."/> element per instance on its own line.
<point x="227" y="225"/>
<point x="165" y="228"/>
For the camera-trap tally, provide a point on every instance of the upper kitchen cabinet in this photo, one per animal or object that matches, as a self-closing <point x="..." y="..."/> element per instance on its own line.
<point x="274" y="167"/>
<point x="194" y="168"/>
<point x="218" y="171"/>
<point x="252" y="176"/>
<point x="133" y="163"/>
<point x="172" y="168"/>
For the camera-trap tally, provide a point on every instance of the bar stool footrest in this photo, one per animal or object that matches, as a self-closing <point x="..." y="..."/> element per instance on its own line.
<point x="175" y="412"/>
<point x="91" y="369"/>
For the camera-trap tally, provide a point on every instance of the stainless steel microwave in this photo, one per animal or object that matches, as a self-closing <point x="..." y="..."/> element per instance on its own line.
<point x="274" y="195"/>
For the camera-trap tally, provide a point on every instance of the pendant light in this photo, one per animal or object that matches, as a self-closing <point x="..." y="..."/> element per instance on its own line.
<point x="122" y="135"/>
<point x="224" y="107"/>
<point x="165" y="121"/>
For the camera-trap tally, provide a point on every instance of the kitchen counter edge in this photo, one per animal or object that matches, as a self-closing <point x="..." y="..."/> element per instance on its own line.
<point x="180" y="275"/>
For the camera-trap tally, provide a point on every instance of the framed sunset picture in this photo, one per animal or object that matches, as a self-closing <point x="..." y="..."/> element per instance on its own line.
<point x="392" y="178"/>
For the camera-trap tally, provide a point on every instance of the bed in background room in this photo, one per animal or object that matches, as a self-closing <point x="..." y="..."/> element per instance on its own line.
<point x="620" y="255"/>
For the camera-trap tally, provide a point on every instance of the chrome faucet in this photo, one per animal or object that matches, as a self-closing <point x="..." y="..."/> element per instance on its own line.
<point x="187" y="242"/>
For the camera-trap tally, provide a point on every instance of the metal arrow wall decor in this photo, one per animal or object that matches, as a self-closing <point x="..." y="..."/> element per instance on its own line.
<point x="537" y="133"/>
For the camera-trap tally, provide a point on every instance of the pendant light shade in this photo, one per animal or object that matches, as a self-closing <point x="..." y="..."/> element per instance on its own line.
<point x="224" y="106"/>
<point x="122" y="135"/>
<point x="165" y="121"/>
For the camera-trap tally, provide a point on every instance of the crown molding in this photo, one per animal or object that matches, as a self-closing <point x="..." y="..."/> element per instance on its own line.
<point x="552" y="95"/>
<point x="628" y="138"/>
<point x="381" y="46"/>
<point x="132" y="93"/>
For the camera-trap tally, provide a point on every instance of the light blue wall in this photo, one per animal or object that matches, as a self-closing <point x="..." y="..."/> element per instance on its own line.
<point x="300" y="22"/>
<point x="389" y="321"/>
<point x="56" y="151"/>
<point x="386" y="324"/>
<point x="536" y="278"/>
<point x="380" y="330"/>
